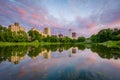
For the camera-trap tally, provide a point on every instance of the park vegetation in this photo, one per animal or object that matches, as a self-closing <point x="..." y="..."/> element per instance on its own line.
<point x="8" y="36"/>
<point x="102" y="36"/>
<point x="106" y="35"/>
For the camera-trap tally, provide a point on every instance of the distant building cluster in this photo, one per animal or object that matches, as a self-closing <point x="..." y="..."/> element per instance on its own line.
<point x="47" y="32"/>
<point x="44" y="33"/>
<point x="16" y="27"/>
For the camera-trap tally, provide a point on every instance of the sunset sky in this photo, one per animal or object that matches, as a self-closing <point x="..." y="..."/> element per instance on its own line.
<point x="85" y="17"/>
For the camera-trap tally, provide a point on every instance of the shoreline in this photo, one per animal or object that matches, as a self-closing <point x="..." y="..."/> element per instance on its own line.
<point x="113" y="44"/>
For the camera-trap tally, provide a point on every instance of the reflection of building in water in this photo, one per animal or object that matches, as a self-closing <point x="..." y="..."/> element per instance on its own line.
<point x="16" y="58"/>
<point x="60" y="50"/>
<point x="42" y="53"/>
<point x="74" y="50"/>
<point x="47" y="54"/>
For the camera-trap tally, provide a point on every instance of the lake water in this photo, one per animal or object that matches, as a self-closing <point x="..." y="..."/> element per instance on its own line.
<point x="59" y="62"/>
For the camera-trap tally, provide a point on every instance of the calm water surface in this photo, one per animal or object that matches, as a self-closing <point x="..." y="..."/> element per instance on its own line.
<point x="59" y="63"/>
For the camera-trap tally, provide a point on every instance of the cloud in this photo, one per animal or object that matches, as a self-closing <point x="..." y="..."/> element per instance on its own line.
<point x="34" y="13"/>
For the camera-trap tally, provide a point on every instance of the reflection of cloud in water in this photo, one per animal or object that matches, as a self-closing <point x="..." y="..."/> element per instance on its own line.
<point x="71" y="74"/>
<point x="83" y="65"/>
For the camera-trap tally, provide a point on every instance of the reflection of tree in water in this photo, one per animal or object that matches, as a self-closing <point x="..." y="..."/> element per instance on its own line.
<point x="16" y="53"/>
<point x="12" y="53"/>
<point x="34" y="52"/>
<point x="40" y="51"/>
<point x="72" y="74"/>
<point x="57" y="47"/>
<point x="60" y="50"/>
<point x="51" y="47"/>
<point x="81" y="47"/>
<point x="106" y="52"/>
<point x="45" y="50"/>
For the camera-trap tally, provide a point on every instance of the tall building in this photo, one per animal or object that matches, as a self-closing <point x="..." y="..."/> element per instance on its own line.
<point x="47" y="31"/>
<point x="74" y="35"/>
<point x="16" y="27"/>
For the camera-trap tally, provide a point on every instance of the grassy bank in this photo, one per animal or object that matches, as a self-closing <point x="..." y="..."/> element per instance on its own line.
<point x="34" y="43"/>
<point x="37" y="43"/>
<point x="115" y="44"/>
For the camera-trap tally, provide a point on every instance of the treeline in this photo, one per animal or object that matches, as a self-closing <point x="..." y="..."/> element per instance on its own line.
<point x="106" y="35"/>
<point x="7" y="36"/>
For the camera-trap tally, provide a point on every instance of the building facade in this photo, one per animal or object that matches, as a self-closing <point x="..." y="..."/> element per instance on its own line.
<point x="44" y="33"/>
<point x="16" y="27"/>
<point x="40" y="32"/>
<point x="74" y="35"/>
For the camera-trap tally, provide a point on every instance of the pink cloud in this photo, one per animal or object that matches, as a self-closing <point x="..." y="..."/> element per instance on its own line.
<point x="22" y="12"/>
<point x="116" y="22"/>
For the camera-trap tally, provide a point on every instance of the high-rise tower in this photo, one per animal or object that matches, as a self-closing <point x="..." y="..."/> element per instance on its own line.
<point x="74" y="35"/>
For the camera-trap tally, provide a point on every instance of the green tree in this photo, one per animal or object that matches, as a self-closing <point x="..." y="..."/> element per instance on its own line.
<point x="21" y="36"/>
<point x="105" y="35"/>
<point x="81" y="39"/>
<point x="34" y="35"/>
<point x="53" y="39"/>
<point x="94" y="38"/>
<point x="116" y="34"/>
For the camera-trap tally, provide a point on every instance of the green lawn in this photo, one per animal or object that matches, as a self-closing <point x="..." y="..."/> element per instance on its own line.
<point x="115" y="44"/>
<point x="35" y="43"/>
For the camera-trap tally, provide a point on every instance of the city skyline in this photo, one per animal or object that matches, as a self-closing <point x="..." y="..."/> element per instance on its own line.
<point x="84" y="17"/>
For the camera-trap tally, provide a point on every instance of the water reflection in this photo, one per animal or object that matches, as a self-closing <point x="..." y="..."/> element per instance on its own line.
<point x="47" y="54"/>
<point x="14" y="53"/>
<point x="74" y="50"/>
<point x="59" y="62"/>
<point x="106" y="52"/>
